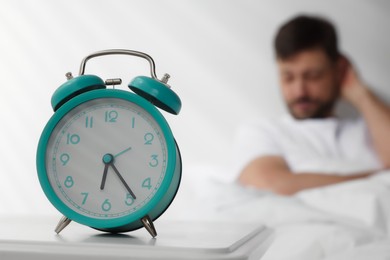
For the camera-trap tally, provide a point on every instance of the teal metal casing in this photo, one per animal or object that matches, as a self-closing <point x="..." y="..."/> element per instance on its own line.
<point x="157" y="93"/>
<point x="75" y="87"/>
<point x="169" y="186"/>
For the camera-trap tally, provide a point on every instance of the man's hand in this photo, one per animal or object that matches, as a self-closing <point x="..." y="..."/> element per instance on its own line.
<point x="353" y="90"/>
<point x="375" y="112"/>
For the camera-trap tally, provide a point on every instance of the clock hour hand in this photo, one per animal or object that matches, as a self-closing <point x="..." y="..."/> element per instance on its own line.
<point x="104" y="176"/>
<point x="123" y="181"/>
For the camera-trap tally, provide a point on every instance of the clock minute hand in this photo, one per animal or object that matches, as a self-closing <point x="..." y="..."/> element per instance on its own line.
<point x="123" y="181"/>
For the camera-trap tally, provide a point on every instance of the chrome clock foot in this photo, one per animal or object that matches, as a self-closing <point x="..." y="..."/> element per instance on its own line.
<point x="148" y="224"/>
<point x="62" y="224"/>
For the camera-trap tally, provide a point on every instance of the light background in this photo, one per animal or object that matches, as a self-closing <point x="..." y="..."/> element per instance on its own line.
<point x="218" y="53"/>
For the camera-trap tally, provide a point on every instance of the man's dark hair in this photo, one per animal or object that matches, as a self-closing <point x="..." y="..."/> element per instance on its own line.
<point x="304" y="33"/>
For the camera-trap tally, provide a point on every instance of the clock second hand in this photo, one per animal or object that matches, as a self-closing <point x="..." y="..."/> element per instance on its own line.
<point x="124" y="151"/>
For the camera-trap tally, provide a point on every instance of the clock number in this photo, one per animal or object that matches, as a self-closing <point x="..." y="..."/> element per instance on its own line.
<point x="72" y="139"/>
<point x="153" y="162"/>
<point x="85" y="194"/>
<point x="147" y="183"/>
<point x="69" y="182"/>
<point x="106" y="206"/>
<point x="88" y="122"/>
<point x="111" y="116"/>
<point x="129" y="199"/>
<point x="64" y="158"/>
<point x="148" y="137"/>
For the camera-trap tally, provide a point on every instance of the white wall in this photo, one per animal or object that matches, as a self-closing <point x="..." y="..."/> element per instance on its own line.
<point x="218" y="52"/>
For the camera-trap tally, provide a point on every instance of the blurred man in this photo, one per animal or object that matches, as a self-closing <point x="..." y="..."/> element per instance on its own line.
<point x="314" y="147"/>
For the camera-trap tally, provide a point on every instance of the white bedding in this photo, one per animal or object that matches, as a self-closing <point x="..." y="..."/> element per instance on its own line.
<point x="344" y="221"/>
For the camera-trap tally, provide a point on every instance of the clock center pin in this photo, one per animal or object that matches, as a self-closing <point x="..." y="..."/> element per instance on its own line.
<point x="108" y="158"/>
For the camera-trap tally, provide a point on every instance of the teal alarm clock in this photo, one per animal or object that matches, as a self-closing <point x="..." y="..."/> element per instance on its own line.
<point x="107" y="157"/>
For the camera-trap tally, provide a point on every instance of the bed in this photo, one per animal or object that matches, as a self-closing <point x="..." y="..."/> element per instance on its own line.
<point x="350" y="220"/>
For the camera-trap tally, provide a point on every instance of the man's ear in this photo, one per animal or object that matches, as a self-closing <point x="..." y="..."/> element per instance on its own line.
<point x="342" y="65"/>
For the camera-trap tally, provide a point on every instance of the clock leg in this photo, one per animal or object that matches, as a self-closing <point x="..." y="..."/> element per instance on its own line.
<point x="148" y="224"/>
<point x="62" y="224"/>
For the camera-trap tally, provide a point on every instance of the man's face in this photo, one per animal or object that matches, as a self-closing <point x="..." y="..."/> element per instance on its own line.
<point x="309" y="82"/>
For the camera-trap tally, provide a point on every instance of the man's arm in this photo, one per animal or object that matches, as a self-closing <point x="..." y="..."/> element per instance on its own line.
<point x="375" y="113"/>
<point x="272" y="173"/>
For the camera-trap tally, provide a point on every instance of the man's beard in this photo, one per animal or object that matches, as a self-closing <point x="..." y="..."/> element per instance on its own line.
<point x="323" y="109"/>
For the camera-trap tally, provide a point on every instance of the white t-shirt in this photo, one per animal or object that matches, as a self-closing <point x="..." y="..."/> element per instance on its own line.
<point x="331" y="145"/>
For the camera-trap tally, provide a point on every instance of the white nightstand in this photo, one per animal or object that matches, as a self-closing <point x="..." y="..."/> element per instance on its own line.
<point x="34" y="239"/>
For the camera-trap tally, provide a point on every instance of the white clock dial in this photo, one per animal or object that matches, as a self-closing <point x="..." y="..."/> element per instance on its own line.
<point x="106" y="158"/>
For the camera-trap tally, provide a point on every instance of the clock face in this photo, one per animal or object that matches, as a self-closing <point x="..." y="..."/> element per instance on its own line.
<point x="106" y="158"/>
